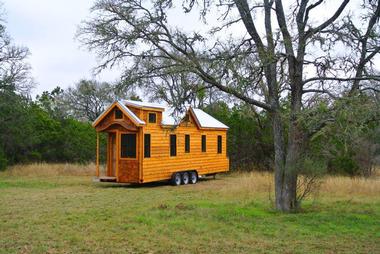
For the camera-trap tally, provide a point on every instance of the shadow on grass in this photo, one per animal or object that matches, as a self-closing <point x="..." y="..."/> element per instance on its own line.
<point x="147" y="185"/>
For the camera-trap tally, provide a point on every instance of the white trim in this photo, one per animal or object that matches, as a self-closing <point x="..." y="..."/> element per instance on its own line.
<point x="206" y="121"/>
<point x="140" y="104"/>
<point x="130" y="113"/>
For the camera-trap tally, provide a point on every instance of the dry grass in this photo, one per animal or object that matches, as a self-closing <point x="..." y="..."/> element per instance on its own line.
<point x="50" y="169"/>
<point x="246" y="184"/>
<point x="239" y="183"/>
<point x="354" y="186"/>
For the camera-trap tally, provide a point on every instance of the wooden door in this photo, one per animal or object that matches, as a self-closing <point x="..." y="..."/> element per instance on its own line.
<point x="128" y="164"/>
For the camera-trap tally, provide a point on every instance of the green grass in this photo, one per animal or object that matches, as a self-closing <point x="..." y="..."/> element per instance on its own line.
<point x="59" y="214"/>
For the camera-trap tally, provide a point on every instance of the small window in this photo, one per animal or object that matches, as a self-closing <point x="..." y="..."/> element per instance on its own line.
<point x="219" y="144"/>
<point x="118" y="114"/>
<point x="147" y="145"/>
<point x="152" y="118"/>
<point x="173" y="145"/>
<point x="203" y="143"/>
<point x="128" y="146"/>
<point x="187" y="143"/>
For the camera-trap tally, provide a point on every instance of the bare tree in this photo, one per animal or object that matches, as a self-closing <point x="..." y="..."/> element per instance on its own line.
<point x="14" y="70"/>
<point x="261" y="67"/>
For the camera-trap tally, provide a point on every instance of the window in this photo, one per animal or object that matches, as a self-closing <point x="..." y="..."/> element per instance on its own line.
<point x="219" y="144"/>
<point x="187" y="143"/>
<point x="128" y="145"/>
<point x="173" y="145"/>
<point x="152" y="118"/>
<point x="147" y="145"/>
<point x="118" y="114"/>
<point x="203" y="143"/>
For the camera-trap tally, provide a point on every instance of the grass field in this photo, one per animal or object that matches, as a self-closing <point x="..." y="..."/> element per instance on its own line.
<point x="58" y="209"/>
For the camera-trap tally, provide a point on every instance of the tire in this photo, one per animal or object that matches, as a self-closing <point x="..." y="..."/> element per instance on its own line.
<point x="193" y="177"/>
<point x="185" y="178"/>
<point x="176" y="179"/>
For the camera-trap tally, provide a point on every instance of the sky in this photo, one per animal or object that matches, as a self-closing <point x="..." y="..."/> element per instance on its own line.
<point x="47" y="28"/>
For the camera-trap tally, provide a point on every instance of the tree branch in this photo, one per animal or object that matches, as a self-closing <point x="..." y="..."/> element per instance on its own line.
<point x="328" y="22"/>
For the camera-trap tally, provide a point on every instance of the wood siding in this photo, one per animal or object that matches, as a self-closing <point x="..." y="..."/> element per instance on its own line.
<point x="161" y="165"/>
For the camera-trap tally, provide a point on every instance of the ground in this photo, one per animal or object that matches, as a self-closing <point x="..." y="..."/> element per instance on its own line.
<point x="53" y="213"/>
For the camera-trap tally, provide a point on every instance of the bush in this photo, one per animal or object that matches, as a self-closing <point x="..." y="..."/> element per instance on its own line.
<point x="3" y="160"/>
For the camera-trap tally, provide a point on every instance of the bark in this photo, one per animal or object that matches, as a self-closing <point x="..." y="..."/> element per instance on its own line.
<point x="279" y="160"/>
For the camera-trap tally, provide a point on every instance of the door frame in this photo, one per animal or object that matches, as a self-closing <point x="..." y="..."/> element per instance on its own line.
<point x="137" y="144"/>
<point x="112" y="154"/>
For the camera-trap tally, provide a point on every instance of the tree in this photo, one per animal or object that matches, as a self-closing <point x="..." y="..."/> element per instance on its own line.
<point x="88" y="99"/>
<point x="261" y="67"/>
<point x="14" y="70"/>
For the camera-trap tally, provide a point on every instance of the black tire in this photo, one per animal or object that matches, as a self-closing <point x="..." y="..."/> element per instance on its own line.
<point x="193" y="177"/>
<point x="176" y="179"/>
<point x="185" y="178"/>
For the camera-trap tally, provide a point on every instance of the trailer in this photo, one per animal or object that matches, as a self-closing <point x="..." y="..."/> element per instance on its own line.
<point x="146" y="144"/>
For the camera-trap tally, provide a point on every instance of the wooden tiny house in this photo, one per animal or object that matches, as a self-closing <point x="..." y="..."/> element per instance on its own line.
<point x="145" y="144"/>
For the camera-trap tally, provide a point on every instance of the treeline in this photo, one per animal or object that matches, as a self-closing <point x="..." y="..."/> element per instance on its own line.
<point x="344" y="136"/>
<point x="51" y="129"/>
<point x="30" y="132"/>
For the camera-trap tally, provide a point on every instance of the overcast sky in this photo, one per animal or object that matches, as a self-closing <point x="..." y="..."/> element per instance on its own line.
<point x="47" y="28"/>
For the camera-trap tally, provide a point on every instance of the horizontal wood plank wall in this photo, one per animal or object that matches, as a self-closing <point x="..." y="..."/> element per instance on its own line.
<point x="161" y="165"/>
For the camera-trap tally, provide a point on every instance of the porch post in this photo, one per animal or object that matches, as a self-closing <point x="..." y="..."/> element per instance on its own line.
<point x="97" y="154"/>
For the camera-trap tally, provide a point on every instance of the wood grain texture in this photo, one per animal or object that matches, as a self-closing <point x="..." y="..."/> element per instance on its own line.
<point x="161" y="166"/>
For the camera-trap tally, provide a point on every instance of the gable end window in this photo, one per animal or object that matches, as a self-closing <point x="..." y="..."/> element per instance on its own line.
<point x="187" y="143"/>
<point x="147" y="145"/>
<point x="204" y="143"/>
<point x="128" y="145"/>
<point x="152" y="118"/>
<point x="219" y="144"/>
<point x="118" y="114"/>
<point x="173" y="145"/>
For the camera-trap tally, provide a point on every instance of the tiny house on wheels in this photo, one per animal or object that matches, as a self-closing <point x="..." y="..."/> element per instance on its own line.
<point x="145" y="144"/>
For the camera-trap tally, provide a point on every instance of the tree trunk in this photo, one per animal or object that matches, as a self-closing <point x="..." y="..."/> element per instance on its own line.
<point x="286" y="163"/>
<point x="287" y="160"/>
<point x="279" y="159"/>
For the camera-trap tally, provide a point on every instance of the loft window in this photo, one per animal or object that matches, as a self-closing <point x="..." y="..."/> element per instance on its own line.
<point x="147" y="145"/>
<point x="203" y="143"/>
<point x="118" y="114"/>
<point x="187" y="143"/>
<point x="128" y="145"/>
<point x="173" y="145"/>
<point x="219" y="144"/>
<point x="152" y="118"/>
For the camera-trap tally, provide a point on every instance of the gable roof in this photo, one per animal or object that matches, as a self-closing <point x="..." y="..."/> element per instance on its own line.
<point x="202" y="119"/>
<point x="206" y="121"/>
<point x="124" y="109"/>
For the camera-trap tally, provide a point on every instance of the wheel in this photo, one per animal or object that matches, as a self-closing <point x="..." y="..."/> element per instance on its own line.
<point x="193" y="177"/>
<point x="176" y="179"/>
<point x="185" y="178"/>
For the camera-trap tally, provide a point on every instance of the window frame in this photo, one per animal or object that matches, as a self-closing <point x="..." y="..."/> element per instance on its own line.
<point x="115" y="114"/>
<point x="145" y="146"/>
<point x="204" y="143"/>
<point x="187" y="143"/>
<point x="173" y="153"/>
<point x="219" y="144"/>
<point x="126" y="157"/>
<point x="155" y="117"/>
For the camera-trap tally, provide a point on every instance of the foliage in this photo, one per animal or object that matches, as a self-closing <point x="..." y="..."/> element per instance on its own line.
<point x="34" y="131"/>
<point x="295" y="58"/>
<point x="249" y="144"/>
